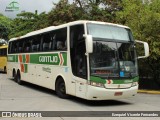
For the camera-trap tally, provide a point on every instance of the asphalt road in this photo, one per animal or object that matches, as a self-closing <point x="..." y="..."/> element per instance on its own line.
<point x="28" y="97"/>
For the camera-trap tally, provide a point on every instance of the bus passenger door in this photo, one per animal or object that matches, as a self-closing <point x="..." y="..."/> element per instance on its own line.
<point x="78" y="59"/>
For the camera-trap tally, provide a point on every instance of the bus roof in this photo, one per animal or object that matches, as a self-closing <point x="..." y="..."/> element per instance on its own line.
<point x="41" y="31"/>
<point x="47" y="29"/>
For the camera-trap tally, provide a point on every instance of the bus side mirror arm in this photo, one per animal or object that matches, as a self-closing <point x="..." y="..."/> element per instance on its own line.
<point x="146" y="49"/>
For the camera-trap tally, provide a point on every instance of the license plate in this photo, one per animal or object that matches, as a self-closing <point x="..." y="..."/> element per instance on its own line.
<point x="118" y="93"/>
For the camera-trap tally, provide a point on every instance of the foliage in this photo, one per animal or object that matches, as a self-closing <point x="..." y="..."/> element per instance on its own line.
<point x="144" y="20"/>
<point x="4" y="27"/>
<point x="62" y="13"/>
<point x="27" y="22"/>
<point x="100" y="10"/>
<point x="2" y="42"/>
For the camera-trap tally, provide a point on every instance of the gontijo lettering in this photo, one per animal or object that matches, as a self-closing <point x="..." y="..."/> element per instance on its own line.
<point x="53" y="59"/>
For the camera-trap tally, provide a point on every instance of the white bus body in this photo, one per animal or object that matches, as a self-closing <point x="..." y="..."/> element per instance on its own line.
<point x="88" y="59"/>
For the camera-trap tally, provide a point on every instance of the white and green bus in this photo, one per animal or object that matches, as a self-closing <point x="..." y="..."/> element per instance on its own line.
<point x="88" y="59"/>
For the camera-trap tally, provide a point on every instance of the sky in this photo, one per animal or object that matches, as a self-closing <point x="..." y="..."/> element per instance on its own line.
<point x="26" y="5"/>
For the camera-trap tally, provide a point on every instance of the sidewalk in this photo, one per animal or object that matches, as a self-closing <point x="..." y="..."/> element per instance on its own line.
<point x="149" y="91"/>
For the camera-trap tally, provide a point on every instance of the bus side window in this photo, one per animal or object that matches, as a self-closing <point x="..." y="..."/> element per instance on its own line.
<point x="45" y="46"/>
<point x="4" y="52"/>
<point x="59" y="45"/>
<point x="20" y="49"/>
<point x="61" y="39"/>
<point x="46" y="42"/>
<point x="27" y="45"/>
<point x="65" y="45"/>
<point x="36" y="44"/>
<point x="10" y="48"/>
<point x="1" y="52"/>
<point x="20" y="46"/>
<point x="15" y="47"/>
<point x="35" y="48"/>
<point x="53" y="43"/>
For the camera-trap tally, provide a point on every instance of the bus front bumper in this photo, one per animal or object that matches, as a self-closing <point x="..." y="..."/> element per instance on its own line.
<point x="97" y="93"/>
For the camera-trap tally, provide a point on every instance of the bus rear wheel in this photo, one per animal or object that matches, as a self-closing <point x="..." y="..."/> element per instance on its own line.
<point x="19" y="81"/>
<point x="14" y="76"/>
<point x="61" y="89"/>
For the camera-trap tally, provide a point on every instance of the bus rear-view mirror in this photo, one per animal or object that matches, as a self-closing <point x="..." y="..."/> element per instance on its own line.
<point x="144" y="50"/>
<point x="89" y="43"/>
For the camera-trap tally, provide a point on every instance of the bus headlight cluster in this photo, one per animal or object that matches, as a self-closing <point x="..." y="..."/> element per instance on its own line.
<point x="96" y="84"/>
<point x="134" y="84"/>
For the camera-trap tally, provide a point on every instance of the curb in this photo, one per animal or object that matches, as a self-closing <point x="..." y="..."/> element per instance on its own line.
<point x="149" y="91"/>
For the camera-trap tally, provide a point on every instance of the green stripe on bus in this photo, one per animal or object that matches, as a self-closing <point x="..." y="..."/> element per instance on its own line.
<point x="126" y="81"/>
<point x="122" y="81"/>
<point x="117" y="81"/>
<point x="49" y="59"/>
<point x="23" y="58"/>
<point x="97" y="79"/>
<point x="25" y="68"/>
<point x="136" y="79"/>
<point x="65" y="59"/>
<point x="12" y="58"/>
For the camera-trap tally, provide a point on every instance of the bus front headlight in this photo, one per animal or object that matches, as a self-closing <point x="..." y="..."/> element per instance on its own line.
<point x="96" y="84"/>
<point x="134" y="84"/>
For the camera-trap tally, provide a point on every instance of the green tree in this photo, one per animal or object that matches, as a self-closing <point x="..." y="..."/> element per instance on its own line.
<point x="27" y="22"/>
<point x="4" y="26"/>
<point x="63" y="12"/>
<point x="144" y="20"/>
<point x="100" y="10"/>
<point x="2" y="42"/>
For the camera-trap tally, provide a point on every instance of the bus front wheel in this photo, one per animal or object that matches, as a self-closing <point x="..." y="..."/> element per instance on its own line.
<point x="61" y="88"/>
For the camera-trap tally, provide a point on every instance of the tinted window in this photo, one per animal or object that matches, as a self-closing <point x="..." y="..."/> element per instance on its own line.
<point x="3" y="52"/>
<point x="27" y="45"/>
<point x="36" y="43"/>
<point x="61" y="39"/>
<point x="54" y="40"/>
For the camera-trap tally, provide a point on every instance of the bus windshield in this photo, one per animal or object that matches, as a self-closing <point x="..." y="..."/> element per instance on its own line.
<point x="113" y="55"/>
<point x="109" y="32"/>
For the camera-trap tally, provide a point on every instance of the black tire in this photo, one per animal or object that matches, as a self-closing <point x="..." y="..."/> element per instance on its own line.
<point x="14" y="76"/>
<point x="61" y="89"/>
<point x="19" y="81"/>
<point x="5" y="69"/>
